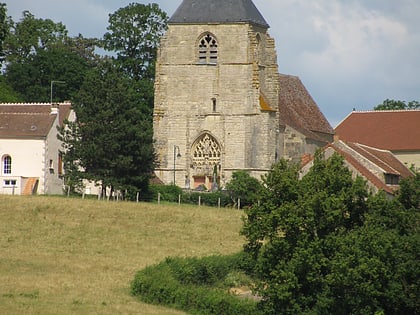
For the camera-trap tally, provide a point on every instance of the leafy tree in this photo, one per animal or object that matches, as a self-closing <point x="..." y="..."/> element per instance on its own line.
<point x="32" y="77"/>
<point x="322" y="245"/>
<point x="244" y="187"/>
<point x="409" y="192"/>
<point x="4" y="29"/>
<point x="397" y="105"/>
<point x="7" y="94"/>
<point x="111" y="142"/>
<point x="133" y="33"/>
<point x="31" y="35"/>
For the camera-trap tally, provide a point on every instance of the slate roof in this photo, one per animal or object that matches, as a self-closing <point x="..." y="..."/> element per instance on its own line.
<point x="397" y="130"/>
<point x="298" y="109"/>
<point x="29" y="121"/>
<point x="217" y="11"/>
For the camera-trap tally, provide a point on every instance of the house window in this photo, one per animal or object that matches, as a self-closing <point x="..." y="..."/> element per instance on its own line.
<point x="7" y="164"/>
<point x="392" y="179"/>
<point x="10" y="182"/>
<point x="207" y="49"/>
<point x="60" y="163"/>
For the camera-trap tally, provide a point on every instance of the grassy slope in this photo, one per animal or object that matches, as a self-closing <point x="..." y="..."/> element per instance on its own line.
<point x="67" y="256"/>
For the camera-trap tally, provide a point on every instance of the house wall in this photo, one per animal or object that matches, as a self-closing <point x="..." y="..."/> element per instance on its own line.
<point x="27" y="161"/>
<point x="184" y="94"/>
<point x="409" y="158"/>
<point x="53" y="181"/>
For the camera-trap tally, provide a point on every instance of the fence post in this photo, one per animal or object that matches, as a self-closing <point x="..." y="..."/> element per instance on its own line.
<point x="199" y="201"/>
<point x="218" y="203"/>
<point x="179" y="199"/>
<point x="158" y="198"/>
<point x="239" y="204"/>
<point x="137" y="196"/>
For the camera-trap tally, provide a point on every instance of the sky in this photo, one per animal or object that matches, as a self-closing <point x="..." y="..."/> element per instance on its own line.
<point x="349" y="54"/>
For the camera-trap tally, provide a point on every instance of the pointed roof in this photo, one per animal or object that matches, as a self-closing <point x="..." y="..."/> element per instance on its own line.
<point x="217" y="11"/>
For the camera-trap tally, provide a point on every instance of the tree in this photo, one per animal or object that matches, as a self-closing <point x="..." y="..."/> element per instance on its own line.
<point x="7" y="94"/>
<point x="133" y="33"/>
<point x="31" y="35"/>
<point x="111" y="142"/>
<point x="397" y="105"/>
<point x="244" y="187"/>
<point x="4" y="29"/>
<point x="409" y="192"/>
<point x="32" y="77"/>
<point x="322" y="245"/>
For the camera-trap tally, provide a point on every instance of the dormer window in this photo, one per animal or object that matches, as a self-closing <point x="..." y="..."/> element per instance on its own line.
<point x="207" y="49"/>
<point x="392" y="179"/>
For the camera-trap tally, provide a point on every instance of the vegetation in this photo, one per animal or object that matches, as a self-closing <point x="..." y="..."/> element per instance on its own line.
<point x="243" y="187"/>
<point x="71" y="256"/>
<point x="323" y="245"/>
<point x="111" y="141"/>
<point x="199" y="286"/>
<point x="112" y="95"/>
<point x="397" y="105"/>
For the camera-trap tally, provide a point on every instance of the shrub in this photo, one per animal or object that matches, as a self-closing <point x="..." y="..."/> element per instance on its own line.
<point x="193" y="285"/>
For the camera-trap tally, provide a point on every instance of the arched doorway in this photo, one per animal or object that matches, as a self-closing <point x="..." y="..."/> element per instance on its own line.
<point x="206" y="162"/>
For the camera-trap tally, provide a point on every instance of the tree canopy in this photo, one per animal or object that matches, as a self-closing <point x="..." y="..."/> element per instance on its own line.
<point x="111" y="141"/>
<point x="322" y="244"/>
<point x="397" y="105"/>
<point x="133" y="33"/>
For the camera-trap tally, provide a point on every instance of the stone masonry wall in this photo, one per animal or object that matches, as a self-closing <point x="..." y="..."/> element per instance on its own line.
<point x="222" y="100"/>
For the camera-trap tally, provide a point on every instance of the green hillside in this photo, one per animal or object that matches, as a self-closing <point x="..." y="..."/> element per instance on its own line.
<point x="72" y="256"/>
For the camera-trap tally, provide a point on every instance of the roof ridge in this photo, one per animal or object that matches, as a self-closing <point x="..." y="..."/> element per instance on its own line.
<point x="385" y="111"/>
<point x="33" y="104"/>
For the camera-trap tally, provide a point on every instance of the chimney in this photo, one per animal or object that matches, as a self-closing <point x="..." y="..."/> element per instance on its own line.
<point x="54" y="109"/>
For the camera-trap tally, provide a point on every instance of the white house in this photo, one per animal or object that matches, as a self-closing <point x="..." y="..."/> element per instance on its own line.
<point x="29" y="149"/>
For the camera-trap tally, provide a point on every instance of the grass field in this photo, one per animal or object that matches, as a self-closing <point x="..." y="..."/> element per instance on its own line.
<point x="72" y="256"/>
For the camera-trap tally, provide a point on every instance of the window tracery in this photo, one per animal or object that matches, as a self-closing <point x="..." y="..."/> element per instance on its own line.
<point x="206" y="154"/>
<point x="207" y="49"/>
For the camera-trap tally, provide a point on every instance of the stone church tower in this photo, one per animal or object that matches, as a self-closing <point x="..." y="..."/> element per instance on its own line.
<point x="216" y="94"/>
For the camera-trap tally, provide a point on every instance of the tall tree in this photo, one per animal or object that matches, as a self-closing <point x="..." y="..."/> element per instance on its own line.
<point x="133" y="33"/>
<point x="4" y="29"/>
<point x="32" y="77"/>
<point x="323" y="245"/>
<point x="111" y="142"/>
<point x="30" y="35"/>
<point x="397" y="105"/>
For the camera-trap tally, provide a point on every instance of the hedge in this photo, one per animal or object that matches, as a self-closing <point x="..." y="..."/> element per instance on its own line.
<point x="194" y="285"/>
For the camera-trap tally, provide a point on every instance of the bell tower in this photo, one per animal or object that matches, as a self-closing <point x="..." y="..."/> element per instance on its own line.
<point x="216" y="94"/>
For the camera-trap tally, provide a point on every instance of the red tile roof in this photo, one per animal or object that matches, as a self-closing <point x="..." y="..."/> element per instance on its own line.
<point x="389" y="130"/>
<point x="382" y="158"/>
<point x="29" y="120"/>
<point x="298" y="109"/>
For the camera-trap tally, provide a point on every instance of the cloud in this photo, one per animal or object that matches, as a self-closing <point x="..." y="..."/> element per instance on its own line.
<point x="348" y="53"/>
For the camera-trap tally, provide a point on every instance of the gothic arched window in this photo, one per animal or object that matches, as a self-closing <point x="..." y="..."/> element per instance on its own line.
<point x="206" y="153"/>
<point x="207" y="49"/>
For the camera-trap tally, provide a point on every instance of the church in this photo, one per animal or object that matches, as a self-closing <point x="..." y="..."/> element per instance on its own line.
<point x="221" y="104"/>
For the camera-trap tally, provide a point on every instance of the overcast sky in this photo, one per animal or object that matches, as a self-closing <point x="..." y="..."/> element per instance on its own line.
<point x="348" y="53"/>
